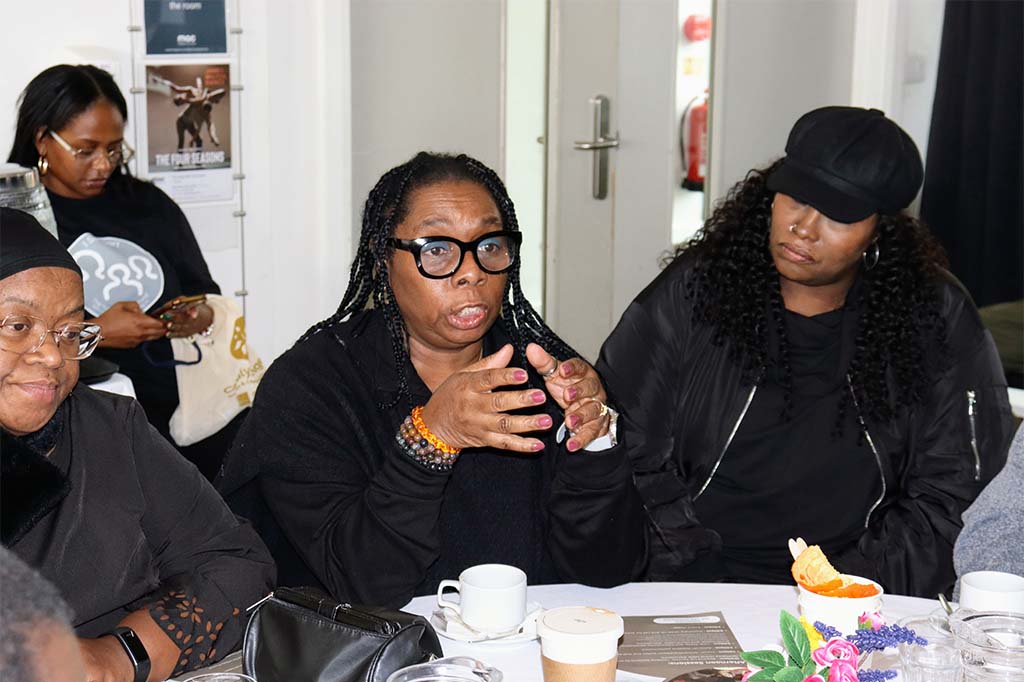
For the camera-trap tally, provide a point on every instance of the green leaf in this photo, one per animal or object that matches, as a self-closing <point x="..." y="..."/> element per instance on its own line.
<point x="810" y="667"/>
<point x="765" y="658"/>
<point x="794" y="638"/>
<point x="789" y="674"/>
<point x="766" y="675"/>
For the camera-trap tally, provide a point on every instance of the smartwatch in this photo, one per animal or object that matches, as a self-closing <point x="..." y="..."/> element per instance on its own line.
<point x="136" y="651"/>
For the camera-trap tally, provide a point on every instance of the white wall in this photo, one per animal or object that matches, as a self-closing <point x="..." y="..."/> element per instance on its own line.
<point x="296" y="141"/>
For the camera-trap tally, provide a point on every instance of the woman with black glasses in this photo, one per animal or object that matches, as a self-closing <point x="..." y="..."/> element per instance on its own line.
<point x="418" y="431"/>
<point x="135" y="244"/>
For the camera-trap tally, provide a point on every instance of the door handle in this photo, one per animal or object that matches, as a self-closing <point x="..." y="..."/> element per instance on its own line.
<point x="599" y="145"/>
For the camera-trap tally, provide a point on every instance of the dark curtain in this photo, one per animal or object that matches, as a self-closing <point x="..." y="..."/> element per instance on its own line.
<point x="974" y="188"/>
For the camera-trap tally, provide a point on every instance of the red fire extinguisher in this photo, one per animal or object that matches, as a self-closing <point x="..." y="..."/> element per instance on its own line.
<point x="693" y="142"/>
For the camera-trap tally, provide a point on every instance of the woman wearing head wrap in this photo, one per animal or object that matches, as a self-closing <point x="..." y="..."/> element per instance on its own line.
<point x="415" y="433"/>
<point x="156" y="568"/>
<point x="805" y="366"/>
<point x="135" y="244"/>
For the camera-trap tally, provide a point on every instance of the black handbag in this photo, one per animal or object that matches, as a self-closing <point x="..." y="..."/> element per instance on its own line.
<point x="300" y="634"/>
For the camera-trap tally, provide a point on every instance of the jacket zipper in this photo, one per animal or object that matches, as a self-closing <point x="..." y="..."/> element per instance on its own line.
<point x="972" y="402"/>
<point x="728" y="442"/>
<point x="874" y="450"/>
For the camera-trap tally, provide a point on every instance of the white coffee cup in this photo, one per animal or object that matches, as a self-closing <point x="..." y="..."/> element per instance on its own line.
<point x="579" y="644"/>
<point x="992" y="591"/>
<point x="492" y="597"/>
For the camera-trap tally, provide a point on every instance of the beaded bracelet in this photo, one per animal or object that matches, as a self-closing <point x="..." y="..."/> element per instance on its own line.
<point x="412" y="443"/>
<point x="417" y="420"/>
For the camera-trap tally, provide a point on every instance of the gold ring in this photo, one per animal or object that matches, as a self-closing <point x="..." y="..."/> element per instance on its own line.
<point x="604" y="407"/>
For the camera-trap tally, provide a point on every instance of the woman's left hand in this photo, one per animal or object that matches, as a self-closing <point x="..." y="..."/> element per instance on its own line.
<point x="105" y="660"/>
<point x="576" y="386"/>
<point x="188" y="320"/>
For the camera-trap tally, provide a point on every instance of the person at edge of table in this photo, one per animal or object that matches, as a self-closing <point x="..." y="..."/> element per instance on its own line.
<point x="416" y="432"/>
<point x="805" y="366"/>
<point x="36" y="640"/>
<point x="992" y="538"/>
<point x="138" y="542"/>
<point x="134" y="243"/>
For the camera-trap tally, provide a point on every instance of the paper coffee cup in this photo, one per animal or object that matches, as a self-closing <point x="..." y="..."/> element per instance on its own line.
<point x="579" y="644"/>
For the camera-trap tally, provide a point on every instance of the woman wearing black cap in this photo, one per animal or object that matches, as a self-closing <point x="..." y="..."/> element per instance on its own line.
<point x="156" y="568"/>
<point x="805" y="366"/>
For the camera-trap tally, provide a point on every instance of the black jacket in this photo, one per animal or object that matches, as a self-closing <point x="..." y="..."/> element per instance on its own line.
<point x="682" y="400"/>
<point x="119" y="521"/>
<point x="317" y="469"/>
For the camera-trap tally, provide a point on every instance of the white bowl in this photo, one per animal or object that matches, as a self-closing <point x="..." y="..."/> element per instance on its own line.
<point x="839" y="612"/>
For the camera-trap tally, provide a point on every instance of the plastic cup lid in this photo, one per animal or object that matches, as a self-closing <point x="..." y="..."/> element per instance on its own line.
<point x="580" y="621"/>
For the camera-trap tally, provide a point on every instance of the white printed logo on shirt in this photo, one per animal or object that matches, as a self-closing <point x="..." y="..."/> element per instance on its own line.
<point x="115" y="269"/>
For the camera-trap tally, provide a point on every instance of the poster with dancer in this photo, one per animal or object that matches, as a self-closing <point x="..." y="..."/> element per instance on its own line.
<point x="188" y="111"/>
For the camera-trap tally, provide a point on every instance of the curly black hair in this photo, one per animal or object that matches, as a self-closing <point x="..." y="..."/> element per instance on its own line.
<point x="735" y="290"/>
<point x="385" y="208"/>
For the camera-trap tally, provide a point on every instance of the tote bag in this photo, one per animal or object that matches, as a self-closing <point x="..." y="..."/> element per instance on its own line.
<point x="212" y="391"/>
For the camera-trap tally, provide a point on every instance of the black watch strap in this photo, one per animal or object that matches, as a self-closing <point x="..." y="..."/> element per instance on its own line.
<point x="136" y="651"/>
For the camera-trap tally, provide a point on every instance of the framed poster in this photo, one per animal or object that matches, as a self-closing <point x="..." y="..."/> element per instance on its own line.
<point x="188" y="126"/>
<point x="185" y="27"/>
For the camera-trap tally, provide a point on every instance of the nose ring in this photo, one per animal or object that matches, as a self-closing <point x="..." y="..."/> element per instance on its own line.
<point x="792" y="228"/>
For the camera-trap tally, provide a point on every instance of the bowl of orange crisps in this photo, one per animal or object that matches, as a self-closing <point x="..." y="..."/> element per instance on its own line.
<point x="828" y="596"/>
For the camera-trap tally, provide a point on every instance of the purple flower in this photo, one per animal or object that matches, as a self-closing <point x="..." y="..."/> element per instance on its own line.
<point x="827" y="631"/>
<point x="884" y="637"/>
<point x="836" y="651"/>
<point x="876" y="675"/>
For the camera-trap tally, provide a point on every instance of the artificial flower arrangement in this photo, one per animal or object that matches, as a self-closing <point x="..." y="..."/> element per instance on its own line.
<point x="820" y="653"/>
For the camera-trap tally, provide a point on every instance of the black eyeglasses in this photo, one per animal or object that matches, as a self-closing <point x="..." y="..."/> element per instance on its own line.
<point x="439" y="257"/>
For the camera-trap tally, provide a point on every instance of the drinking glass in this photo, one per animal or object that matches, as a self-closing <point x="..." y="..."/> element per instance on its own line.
<point x="991" y="644"/>
<point x="936" y="661"/>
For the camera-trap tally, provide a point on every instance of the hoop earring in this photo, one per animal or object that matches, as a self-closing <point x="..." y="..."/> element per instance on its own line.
<point x="43" y="165"/>
<point x="875" y="256"/>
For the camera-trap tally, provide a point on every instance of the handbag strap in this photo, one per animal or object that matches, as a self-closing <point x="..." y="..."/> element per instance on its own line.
<point x="170" y="363"/>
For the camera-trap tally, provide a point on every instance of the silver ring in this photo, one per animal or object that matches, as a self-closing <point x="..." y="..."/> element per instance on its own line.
<point x="604" y="406"/>
<point x="545" y="375"/>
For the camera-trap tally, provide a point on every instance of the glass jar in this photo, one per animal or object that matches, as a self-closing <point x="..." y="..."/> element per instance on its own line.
<point x="22" y="189"/>
<point x="991" y="644"/>
<point x="452" y="669"/>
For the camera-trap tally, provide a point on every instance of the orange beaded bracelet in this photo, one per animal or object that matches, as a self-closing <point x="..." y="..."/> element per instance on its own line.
<point x="417" y="421"/>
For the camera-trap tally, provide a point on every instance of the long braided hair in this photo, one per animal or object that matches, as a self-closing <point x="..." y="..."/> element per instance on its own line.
<point x="385" y="208"/>
<point x="735" y="290"/>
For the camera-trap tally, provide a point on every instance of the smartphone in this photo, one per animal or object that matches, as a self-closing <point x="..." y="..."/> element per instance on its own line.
<point x="178" y="302"/>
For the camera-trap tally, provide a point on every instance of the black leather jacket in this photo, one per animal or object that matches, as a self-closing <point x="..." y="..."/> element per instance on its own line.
<point x="682" y="401"/>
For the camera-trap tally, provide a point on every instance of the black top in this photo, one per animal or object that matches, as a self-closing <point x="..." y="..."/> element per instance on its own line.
<point x="317" y="468"/>
<point x="139" y="212"/>
<point x="118" y="521"/>
<point x="804" y="465"/>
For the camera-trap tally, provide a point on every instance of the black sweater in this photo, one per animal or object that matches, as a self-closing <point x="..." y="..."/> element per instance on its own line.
<point x="317" y="468"/>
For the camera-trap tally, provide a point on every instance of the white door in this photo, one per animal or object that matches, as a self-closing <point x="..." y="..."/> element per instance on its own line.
<point x="611" y="146"/>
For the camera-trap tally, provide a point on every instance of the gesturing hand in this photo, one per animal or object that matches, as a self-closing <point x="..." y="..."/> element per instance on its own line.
<point x="466" y="411"/>
<point x="576" y="387"/>
<point x="126" y="326"/>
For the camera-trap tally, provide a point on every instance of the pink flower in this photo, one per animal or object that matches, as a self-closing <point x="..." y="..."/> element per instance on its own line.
<point x="814" y="678"/>
<point x="836" y="649"/>
<point x="842" y="671"/>
<point x="870" y="621"/>
<point x="746" y="675"/>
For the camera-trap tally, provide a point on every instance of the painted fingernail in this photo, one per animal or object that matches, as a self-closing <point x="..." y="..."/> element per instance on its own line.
<point x="573" y="445"/>
<point x="165" y="316"/>
<point x="574" y="421"/>
<point x="537" y="396"/>
<point x="537" y="446"/>
<point x="572" y="393"/>
<point x="544" y="421"/>
<point x="520" y="375"/>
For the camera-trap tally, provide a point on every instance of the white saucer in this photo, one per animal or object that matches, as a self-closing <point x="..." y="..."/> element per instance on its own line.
<point x="449" y="625"/>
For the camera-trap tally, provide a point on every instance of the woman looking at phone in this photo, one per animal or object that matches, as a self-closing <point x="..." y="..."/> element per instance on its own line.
<point x="135" y="246"/>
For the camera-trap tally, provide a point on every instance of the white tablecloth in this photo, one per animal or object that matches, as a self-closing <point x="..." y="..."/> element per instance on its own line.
<point x="752" y="612"/>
